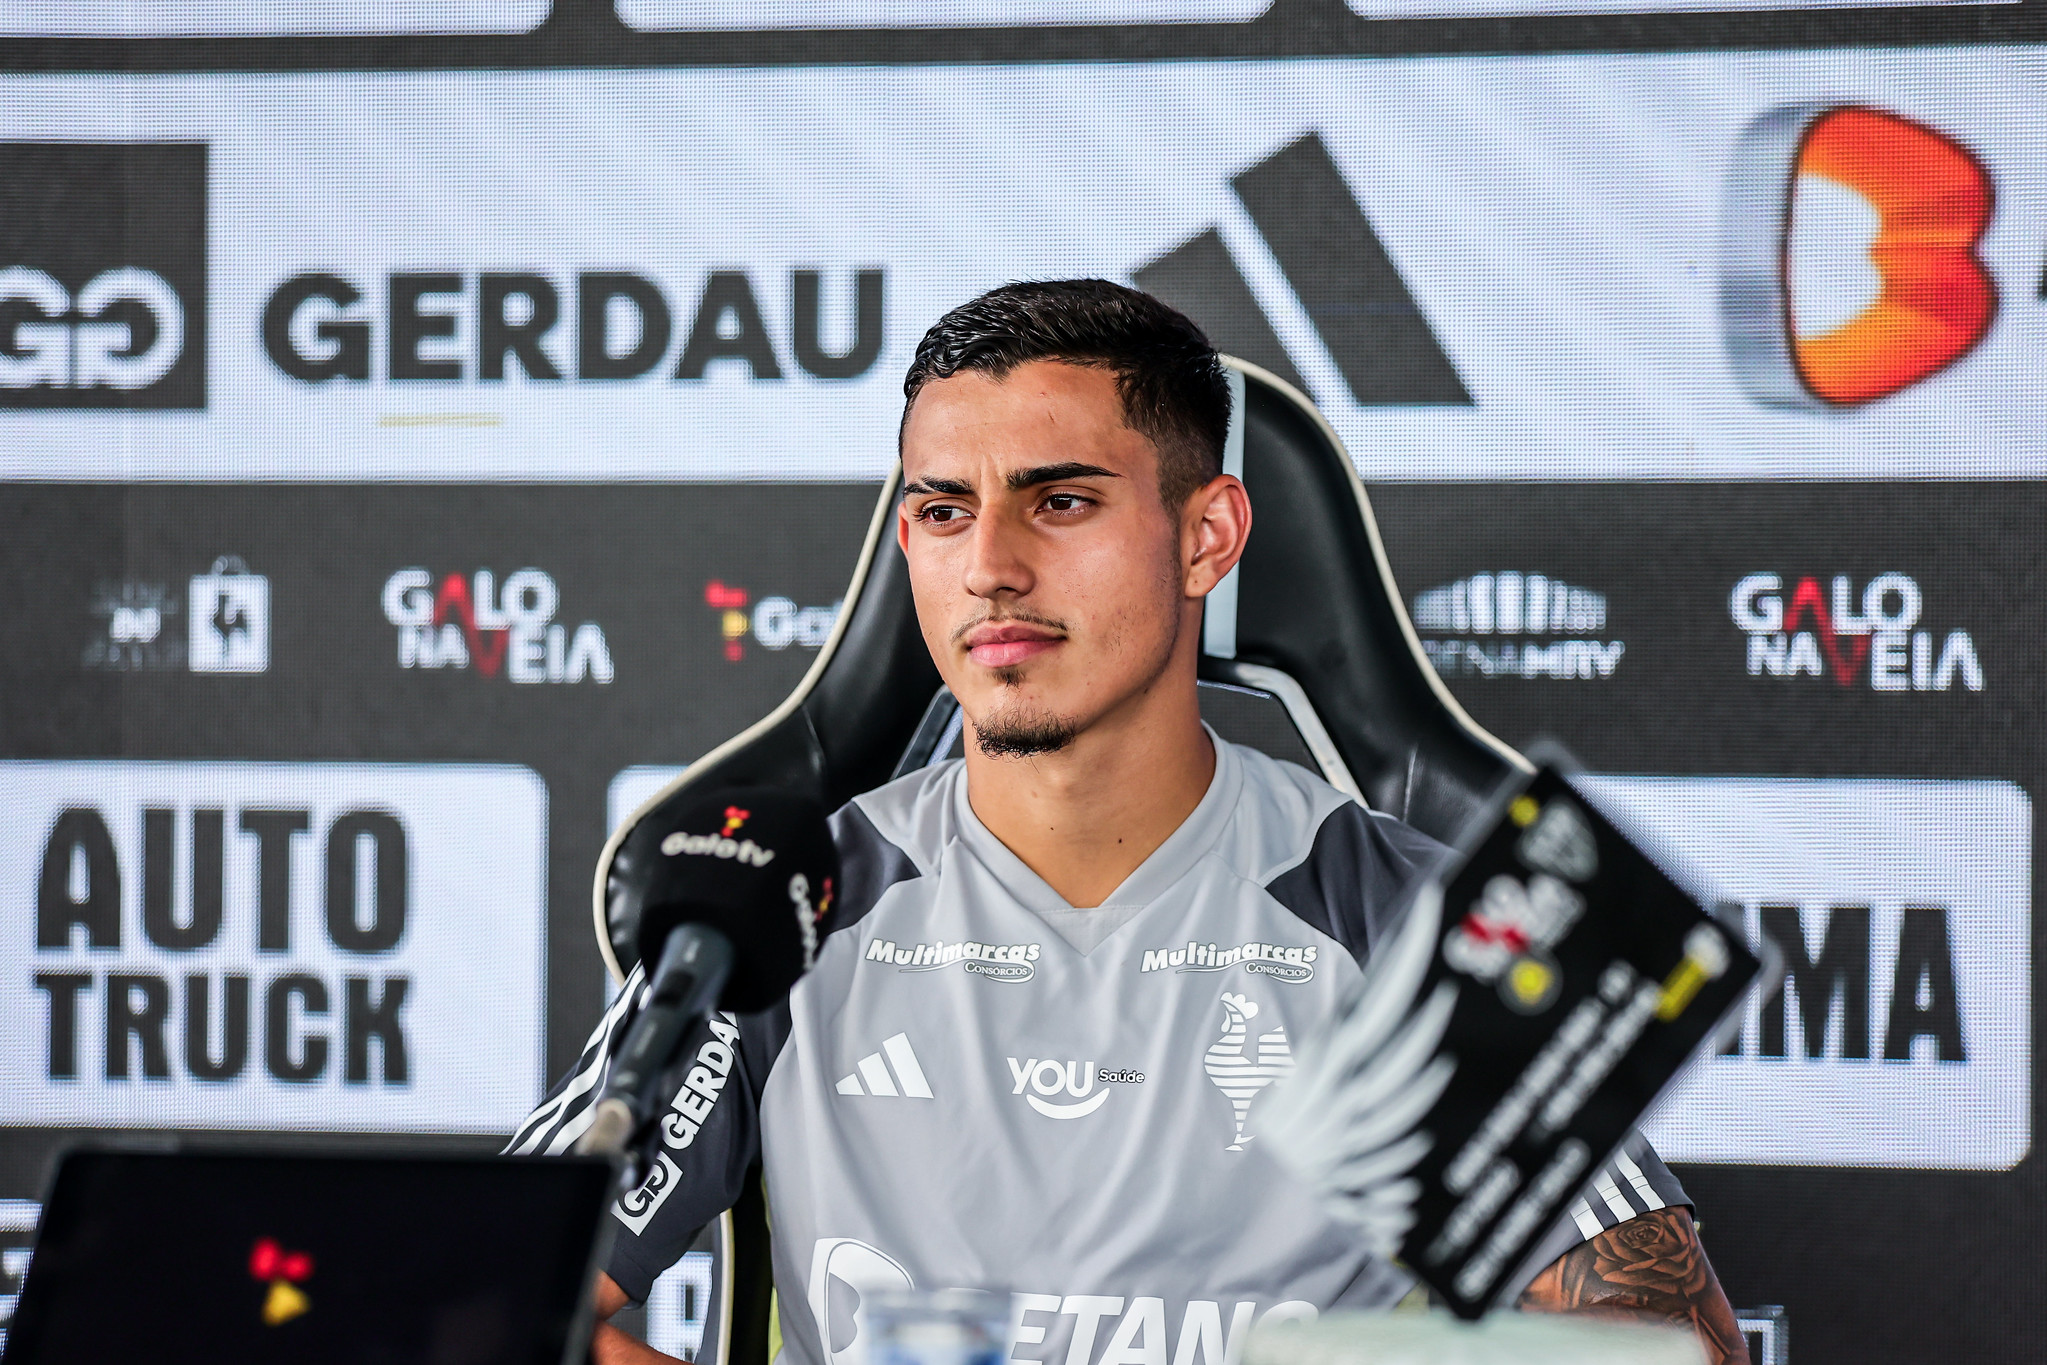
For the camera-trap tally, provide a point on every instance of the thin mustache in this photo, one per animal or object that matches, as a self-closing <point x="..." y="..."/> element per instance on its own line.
<point x="1026" y="618"/>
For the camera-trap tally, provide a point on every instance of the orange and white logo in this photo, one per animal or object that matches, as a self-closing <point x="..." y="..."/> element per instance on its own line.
<point x="1849" y="255"/>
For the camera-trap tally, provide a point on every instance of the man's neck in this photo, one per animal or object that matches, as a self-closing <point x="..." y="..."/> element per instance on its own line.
<point x="1086" y="817"/>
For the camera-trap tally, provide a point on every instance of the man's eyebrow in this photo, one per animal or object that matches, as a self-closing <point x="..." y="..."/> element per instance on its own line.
<point x="1057" y="473"/>
<point x="952" y="488"/>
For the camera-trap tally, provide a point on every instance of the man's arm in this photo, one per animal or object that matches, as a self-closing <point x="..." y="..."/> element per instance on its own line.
<point x="609" y="1346"/>
<point x="1651" y="1266"/>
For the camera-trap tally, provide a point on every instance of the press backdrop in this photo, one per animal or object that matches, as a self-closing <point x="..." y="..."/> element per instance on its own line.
<point x="426" y="426"/>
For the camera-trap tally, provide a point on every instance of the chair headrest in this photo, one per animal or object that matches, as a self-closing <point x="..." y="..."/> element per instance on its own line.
<point x="1310" y="616"/>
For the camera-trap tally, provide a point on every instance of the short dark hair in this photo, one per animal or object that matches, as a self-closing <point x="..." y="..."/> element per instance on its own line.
<point x="1170" y="379"/>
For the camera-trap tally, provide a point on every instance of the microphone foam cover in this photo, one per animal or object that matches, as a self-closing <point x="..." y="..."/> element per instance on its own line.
<point x="755" y="863"/>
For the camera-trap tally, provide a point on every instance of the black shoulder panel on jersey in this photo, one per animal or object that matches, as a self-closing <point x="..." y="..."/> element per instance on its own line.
<point x="1352" y="877"/>
<point x="712" y="1127"/>
<point x="710" y="1137"/>
<point x="868" y="866"/>
<point x="1635" y="1182"/>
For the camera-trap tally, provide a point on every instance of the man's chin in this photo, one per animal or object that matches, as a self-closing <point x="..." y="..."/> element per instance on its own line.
<point x="1009" y="721"/>
<point x="1019" y="733"/>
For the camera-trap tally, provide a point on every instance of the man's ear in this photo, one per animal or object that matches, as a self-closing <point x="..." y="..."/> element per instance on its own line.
<point x="903" y="524"/>
<point x="1215" y="524"/>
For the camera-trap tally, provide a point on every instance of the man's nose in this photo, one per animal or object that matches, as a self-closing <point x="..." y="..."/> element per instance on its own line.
<point x="998" y="560"/>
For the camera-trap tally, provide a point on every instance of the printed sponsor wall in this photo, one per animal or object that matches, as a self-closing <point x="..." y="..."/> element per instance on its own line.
<point x="1869" y="809"/>
<point x="1420" y="245"/>
<point x="384" y="523"/>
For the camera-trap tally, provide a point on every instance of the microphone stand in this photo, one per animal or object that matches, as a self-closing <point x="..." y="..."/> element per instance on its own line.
<point x="695" y="961"/>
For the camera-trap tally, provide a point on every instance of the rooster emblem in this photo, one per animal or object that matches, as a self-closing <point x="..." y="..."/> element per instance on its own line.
<point x="1235" y="1071"/>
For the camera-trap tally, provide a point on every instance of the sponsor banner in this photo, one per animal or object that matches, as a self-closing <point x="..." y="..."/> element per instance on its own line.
<point x="263" y="18"/>
<point x="1515" y="625"/>
<point x="103" y="279"/>
<point x="1793" y="632"/>
<point x="319" y="946"/>
<point x="680" y="1306"/>
<point x="1697" y="265"/>
<point x="814" y="14"/>
<point x="144" y="625"/>
<point x="459" y="621"/>
<point x="1477" y="9"/>
<point x="772" y="621"/>
<point x="1902" y="1035"/>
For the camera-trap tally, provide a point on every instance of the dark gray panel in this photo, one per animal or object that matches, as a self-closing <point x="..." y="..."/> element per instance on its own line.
<point x="1343" y="277"/>
<point x="1202" y="280"/>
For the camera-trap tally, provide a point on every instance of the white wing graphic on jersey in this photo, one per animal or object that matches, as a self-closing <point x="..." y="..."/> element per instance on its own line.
<point x="1345" y="1122"/>
<point x="1238" y="1075"/>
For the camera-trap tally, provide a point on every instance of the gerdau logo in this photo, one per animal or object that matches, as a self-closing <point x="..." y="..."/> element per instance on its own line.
<point x="455" y="326"/>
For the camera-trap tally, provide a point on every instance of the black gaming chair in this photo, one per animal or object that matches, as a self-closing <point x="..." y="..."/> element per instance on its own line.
<point x="1307" y="653"/>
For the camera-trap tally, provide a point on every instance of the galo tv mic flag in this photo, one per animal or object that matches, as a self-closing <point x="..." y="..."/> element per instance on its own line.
<point x="721" y="889"/>
<point x="1542" y="987"/>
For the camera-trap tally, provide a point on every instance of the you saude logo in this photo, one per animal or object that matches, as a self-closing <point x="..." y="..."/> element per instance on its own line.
<point x="1066" y="1090"/>
<point x="1803" y="630"/>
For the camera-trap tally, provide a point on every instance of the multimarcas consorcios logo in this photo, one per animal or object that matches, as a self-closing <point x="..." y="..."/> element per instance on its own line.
<point x="1516" y="624"/>
<point x="102" y="275"/>
<point x="475" y="622"/>
<point x="1871" y="633"/>
<point x="461" y="326"/>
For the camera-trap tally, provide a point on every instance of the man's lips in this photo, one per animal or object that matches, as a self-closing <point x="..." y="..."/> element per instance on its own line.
<point x="1002" y="646"/>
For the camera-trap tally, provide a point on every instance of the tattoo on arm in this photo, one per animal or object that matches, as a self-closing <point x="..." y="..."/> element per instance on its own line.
<point x="1651" y="1266"/>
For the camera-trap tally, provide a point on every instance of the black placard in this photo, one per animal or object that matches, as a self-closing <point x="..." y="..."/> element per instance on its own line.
<point x="1586" y="978"/>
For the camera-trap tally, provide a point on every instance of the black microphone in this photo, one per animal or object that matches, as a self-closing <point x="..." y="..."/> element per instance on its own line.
<point x="720" y="891"/>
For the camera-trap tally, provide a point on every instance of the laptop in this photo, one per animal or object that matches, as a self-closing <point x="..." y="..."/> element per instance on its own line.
<point x="249" y="1259"/>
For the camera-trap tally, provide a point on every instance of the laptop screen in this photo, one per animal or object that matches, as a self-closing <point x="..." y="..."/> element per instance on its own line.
<point x="239" y="1259"/>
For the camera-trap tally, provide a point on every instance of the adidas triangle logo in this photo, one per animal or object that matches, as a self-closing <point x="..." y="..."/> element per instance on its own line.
<point x="1331" y="259"/>
<point x="896" y="1077"/>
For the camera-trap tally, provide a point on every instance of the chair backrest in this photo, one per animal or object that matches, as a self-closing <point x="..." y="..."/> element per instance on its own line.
<point x="1307" y="653"/>
<point x="1309" y="626"/>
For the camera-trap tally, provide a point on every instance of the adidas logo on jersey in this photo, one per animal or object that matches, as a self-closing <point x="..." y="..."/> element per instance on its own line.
<point x="996" y="961"/>
<point x="1261" y="959"/>
<point x="1073" y="1080"/>
<point x="898" y="1076"/>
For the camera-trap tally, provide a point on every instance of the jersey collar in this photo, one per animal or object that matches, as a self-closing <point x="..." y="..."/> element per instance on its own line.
<point x="1168" y="863"/>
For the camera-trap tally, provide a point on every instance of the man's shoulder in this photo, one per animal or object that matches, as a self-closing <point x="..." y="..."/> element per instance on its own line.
<point x="1335" y="864"/>
<point x="913" y="815"/>
<point x="1281" y="807"/>
<point x="892" y="834"/>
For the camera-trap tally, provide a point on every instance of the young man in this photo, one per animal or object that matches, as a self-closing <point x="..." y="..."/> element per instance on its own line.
<point x="1065" y="1112"/>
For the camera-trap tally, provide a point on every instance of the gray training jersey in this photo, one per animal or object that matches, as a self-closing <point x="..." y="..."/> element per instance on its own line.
<point x="979" y="1086"/>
